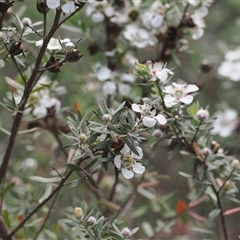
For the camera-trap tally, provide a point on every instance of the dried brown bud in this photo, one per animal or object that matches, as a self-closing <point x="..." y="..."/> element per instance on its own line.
<point x="3" y="7"/>
<point x="133" y="15"/>
<point x="117" y="144"/>
<point x="215" y="146"/>
<point x="55" y="65"/>
<point x="73" y="55"/>
<point x="42" y="7"/>
<point x="206" y="66"/>
<point x="16" y="48"/>
<point x="93" y="48"/>
<point x="187" y="21"/>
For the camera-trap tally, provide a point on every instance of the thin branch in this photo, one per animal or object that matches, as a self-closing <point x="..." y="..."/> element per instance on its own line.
<point x="224" y="228"/>
<point x="47" y="216"/>
<point x="4" y="230"/>
<point x="61" y="184"/>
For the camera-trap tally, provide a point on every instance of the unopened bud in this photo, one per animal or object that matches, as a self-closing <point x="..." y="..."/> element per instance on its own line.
<point x="227" y="185"/>
<point x="126" y="232"/>
<point x="16" y="48"/>
<point x="107" y="118"/>
<point x="92" y="219"/>
<point x="206" y="66"/>
<point x="157" y="133"/>
<point x="54" y="64"/>
<point x="27" y="21"/>
<point x="83" y="137"/>
<point x="202" y="114"/>
<point x="78" y="212"/>
<point x="42" y="6"/>
<point x="235" y="163"/>
<point x="215" y="146"/>
<point x="206" y="152"/>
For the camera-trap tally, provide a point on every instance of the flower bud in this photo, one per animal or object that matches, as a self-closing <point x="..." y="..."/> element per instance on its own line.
<point x="42" y="6"/>
<point x="16" y="48"/>
<point x="227" y="185"/>
<point x="215" y="146"/>
<point x="202" y="114"/>
<point x="83" y="137"/>
<point x="92" y="219"/>
<point x="126" y="232"/>
<point x="27" y="21"/>
<point x="206" y="66"/>
<point x="78" y="212"/>
<point x="157" y="133"/>
<point x="206" y="152"/>
<point x="107" y="118"/>
<point x="235" y="163"/>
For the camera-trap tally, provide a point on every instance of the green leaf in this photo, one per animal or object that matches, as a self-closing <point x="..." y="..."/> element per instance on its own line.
<point x="186" y="175"/>
<point x="114" y="129"/>
<point x="6" y="218"/>
<point x="45" y="180"/>
<point x="213" y="214"/>
<point x="132" y="147"/>
<point x="5" y="131"/>
<point x="47" y="192"/>
<point x="34" y="222"/>
<point x="78" y="181"/>
<point x="73" y="167"/>
<point x="201" y="230"/>
<point x="90" y="164"/>
<point x="92" y="182"/>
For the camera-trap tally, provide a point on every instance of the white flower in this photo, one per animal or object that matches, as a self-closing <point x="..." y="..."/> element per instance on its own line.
<point x="225" y="123"/>
<point x="53" y="4"/>
<point x="148" y="115"/>
<point x="98" y="10"/>
<point x="109" y="88"/>
<point x="198" y="20"/>
<point x="44" y="102"/>
<point x="127" y="164"/>
<point x="158" y="71"/>
<point x="68" y="7"/>
<point x="138" y="37"/>
<point x="179" y="93"/>
<point x="54" y="43"/>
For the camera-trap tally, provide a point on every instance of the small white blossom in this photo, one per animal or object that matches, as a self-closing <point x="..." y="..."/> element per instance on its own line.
<point x="54" y="43"/>
<point x="127" y="164"/>
<point x="179" y="93"/>
<point x="92" y="220"/>
<point x="225" y="123"/>
<point x="148" y="115"/>
<point x="53" y="4"/>
<point x="197" y="18"/>
<point x="202" y="114"/>
<point x="158" y="71"/>
<point x="138" y="37"/>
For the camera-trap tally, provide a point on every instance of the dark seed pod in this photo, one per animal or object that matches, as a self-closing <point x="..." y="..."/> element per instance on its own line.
<point x="206" y="66"/>
<point x="55" y="65"/>
<point x="73" y="55"/>
<point x="16" y="48"/>
<point x="42" y="6"/>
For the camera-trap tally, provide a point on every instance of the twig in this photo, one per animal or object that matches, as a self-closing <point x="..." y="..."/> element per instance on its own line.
<point x="4" y="230"/>
<point x="47" y="216"/>
<point x="224" y="228"/>
<point x="61" y="184"/>
<point x="111" y="195"/>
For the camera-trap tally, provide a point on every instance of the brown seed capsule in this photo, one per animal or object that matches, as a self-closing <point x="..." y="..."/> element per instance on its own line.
<point x="3" y="7"/>
<point x="16" y="48"/>
<point x="54" y="63"/>
<point x="187" y="21"/>
<point x="206" y="66"/>
<point x="42" y="6"/>
<point x="73" y="55"/>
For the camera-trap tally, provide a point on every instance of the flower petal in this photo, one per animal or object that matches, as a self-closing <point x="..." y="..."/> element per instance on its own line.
<point x="149" y="122"/>
<point x="162" y="75"/>
<point x="187" y="99"/>
<point x="118" y="161"/>
<point x="127" y="173"/>
<point x="53" y="4"/>
<point x="191" y="88"/>
<point x="136" y="107"/>
<point x="138" y="168"/>
<point x="140" y="153"/>
<point x="161" y="119"/>
<point x="68" y="7"/>
<point x="109" y="88"/>
<point x="125" y="149"/>
<point x="169" y="99"/>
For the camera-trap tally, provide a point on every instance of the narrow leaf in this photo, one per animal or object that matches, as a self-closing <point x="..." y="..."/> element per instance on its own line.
<point x="45" y="180"/>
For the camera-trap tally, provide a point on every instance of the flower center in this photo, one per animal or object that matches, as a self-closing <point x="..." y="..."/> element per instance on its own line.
<point x="179" y="94"/>
<point x="127" y="162"/>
